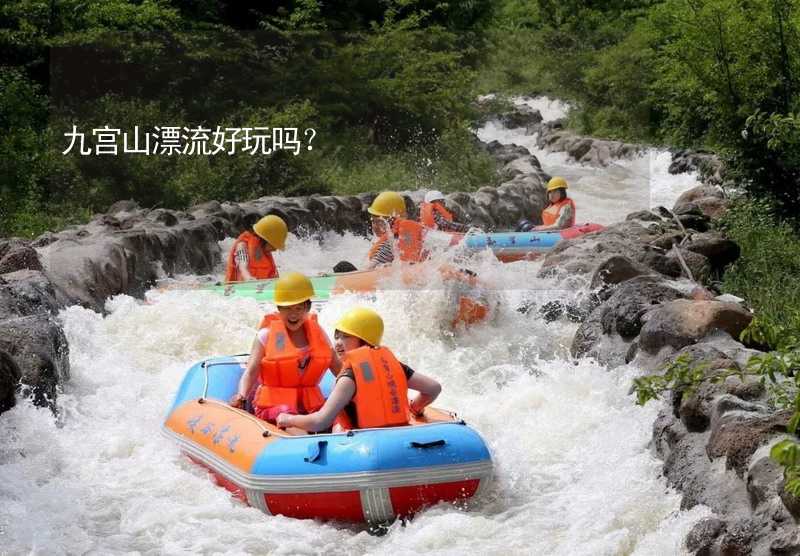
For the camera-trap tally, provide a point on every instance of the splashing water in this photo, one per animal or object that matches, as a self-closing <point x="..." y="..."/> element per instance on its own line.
<point x="573" y="472"/>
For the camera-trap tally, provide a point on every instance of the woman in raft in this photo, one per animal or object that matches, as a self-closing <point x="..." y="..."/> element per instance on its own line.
<point x="558" y="214"/>
<point x="290" y="355"/>
<point x="250" y="257"/>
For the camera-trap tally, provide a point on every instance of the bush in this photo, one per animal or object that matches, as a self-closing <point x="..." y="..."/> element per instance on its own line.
<point x="767" y="271"/>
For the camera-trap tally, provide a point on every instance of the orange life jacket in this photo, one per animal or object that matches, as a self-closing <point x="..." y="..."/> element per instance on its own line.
<point x="381" y="398"/>
<point x="426" y="212"/>
<point x="260" y="263"/>
<point x="410" y="237"/>
<point x="550" y="214"/>
<point x="290" y="376"/>
<point x="472" y="305"/>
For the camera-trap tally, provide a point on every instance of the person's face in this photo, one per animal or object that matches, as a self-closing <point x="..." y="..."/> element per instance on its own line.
<point x="294" y="315"/>
<point x="345" y="342"/>
<point x="554" y="195"/>
<point x="267" y="246"/>
<point x="379" y="225"/>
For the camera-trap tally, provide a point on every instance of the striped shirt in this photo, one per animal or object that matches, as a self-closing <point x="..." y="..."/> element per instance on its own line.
<point x="384" y="254"/>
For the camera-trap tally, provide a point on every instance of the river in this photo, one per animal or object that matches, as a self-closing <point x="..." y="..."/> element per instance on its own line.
<point x="573" y="470"/>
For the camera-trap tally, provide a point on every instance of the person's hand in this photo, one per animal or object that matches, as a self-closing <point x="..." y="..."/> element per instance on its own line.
<point x="284" y="420"/>
<point x="237" y="401"/>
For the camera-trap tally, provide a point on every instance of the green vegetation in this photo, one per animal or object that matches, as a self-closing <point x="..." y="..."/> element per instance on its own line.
<point x="682" y="375"/>
<point x="387" y="87"/>
<point x="766" y="274"/>
<point x="721" y="74"/>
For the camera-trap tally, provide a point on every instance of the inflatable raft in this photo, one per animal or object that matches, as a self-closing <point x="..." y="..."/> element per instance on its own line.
<point x="364" y="475"/>
<point x="325" y="285"/>
<point x="471" y="301"/>
<point x="515" y="246"/>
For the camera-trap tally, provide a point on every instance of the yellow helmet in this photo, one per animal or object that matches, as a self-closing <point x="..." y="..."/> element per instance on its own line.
<point x="362" y="323"/>
<point x="556" y="182"/>
<point x="293" y="288"/>
<point x="388" y="204"/>
<point x="273" y="229"/>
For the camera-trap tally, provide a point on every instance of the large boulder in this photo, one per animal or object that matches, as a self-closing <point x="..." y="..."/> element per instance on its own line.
<point x="614" y="324"/>
<point x="704" y="534"/>
<point x="736" y="433"/>
<point x="682" y="322"/>
<point x="719" y="250"/>
<point x="521" y="116"/>
<point x="38" y="344"/>
<point x="31" y="335"/>
<point x="16" y="255"/>
<point x="629" y="239"/>
<point x="617" y="269"/>
<point x="707" y="199"/>
<point x="688" y="468"/>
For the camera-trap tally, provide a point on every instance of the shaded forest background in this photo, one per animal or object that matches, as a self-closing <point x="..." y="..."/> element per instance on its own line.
<point x="389" y="86"/>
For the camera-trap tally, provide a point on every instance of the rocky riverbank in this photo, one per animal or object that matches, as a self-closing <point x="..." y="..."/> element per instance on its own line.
<point x="715" y="440"/>
<point x="553" y="136"/>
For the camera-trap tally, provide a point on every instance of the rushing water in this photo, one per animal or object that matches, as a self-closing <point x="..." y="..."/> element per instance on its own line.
<point x="573" y="472"/>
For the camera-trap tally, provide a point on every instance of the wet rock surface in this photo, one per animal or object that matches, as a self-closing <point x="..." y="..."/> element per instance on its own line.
<point x="619" y="318"/>
<point x="682" y="322"/>
<point x="9" y="378"/>
<point x="706" y="199"/>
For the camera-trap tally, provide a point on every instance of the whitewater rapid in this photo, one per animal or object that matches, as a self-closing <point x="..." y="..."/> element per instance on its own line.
<point x="573" y="471"/>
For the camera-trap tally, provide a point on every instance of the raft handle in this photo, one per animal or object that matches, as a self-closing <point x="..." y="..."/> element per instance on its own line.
<point x="315" y="451"/>
<point x="432" y="444"/>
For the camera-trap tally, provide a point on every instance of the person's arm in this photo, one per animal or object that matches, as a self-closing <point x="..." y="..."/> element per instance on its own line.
<point x="383" y="255"/>
<point x="242" y="261"/>
<point x="250" y="373"/>
<point x="446" y="225"/>
<point x="321" y="420"/>
<point x="428" y="388"/>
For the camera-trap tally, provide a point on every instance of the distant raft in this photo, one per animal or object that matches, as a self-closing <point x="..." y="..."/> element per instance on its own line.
<point x="515" y="246"/>
<point x="364" y="475"/>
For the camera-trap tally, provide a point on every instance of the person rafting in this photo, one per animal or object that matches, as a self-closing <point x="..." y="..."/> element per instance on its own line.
<point x="560" y="213"/>
<point x="395" y="235"/>
<point x="433" y="214"/>
<point x="250" y="257"/>
<point x="289" y="355"/>
<point x="372" y="388"/>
